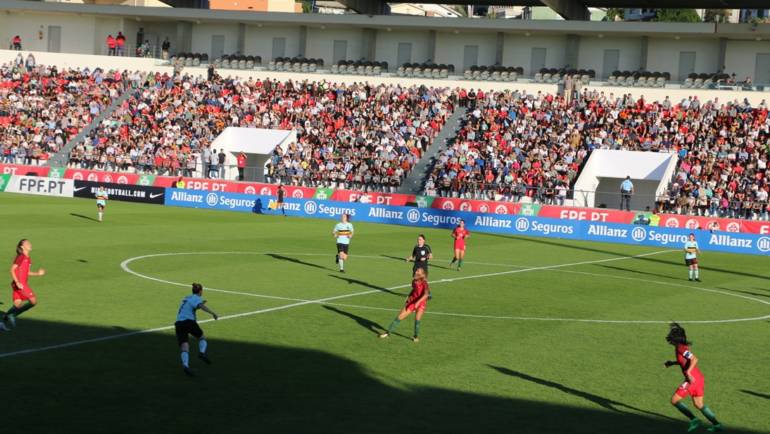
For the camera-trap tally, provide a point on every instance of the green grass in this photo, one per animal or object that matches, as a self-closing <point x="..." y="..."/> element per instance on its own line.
<point x="479" y="368"/>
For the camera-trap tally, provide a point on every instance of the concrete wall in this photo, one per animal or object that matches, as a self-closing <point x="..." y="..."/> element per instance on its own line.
<point x="517" y="50"/>
<point x="663" y="55"/>
<point x="592" y="48"/>
<point x="85" y="32"/>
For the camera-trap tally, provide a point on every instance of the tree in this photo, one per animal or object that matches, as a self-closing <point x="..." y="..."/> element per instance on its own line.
<point x="615" y="14"/>
<point x="716" y="15"/>
<point x="677" y="16"/>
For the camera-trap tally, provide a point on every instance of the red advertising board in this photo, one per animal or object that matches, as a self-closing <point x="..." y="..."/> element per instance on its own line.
<point x="708" y="223"/>
<point x="480" y="206"/>
<point x="393" y="199"/>
<point x="592" y="214"/>
<point x="99" y="176"/>
<point x="19" y="169"/>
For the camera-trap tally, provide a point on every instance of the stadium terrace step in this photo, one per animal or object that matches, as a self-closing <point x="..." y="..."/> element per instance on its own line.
<point x="61" y="158"/>
<point x="415" y="181"/>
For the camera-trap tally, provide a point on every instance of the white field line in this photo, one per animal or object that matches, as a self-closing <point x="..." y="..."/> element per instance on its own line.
<point x="125" y="263"/>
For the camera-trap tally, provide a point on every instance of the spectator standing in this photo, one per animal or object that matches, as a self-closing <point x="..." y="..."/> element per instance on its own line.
<point x="241" y="165"/>
<point x="213" y="164"/>
<point x="210" y="73"/>
<point x="111" y="43"/>
<point x="30" y="63"/>
<point x="221" y="157"/>
<point x="206" y="158"/>
<point x="626" y="191"/>
<point x="120" y="43"/>
<point x="16" y="43"/>
<point x="165" y="46"/>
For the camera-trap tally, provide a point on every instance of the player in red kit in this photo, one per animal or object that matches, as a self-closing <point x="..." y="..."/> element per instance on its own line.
<point x="24" y="297"/>
<point x="694" y="383"/>
<point x="416" y="302"/>
<point x="459" y="234"/>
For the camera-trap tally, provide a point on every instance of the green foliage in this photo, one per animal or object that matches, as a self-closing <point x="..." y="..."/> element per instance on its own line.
<point x="677" y="16"/>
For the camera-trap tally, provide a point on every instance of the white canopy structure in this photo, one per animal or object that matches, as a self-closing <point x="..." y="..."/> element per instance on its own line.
<point x="257" y="143"/>
<point x="599" y="183"/>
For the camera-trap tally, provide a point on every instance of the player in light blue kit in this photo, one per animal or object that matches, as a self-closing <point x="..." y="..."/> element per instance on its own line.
<point x="187" y="324"/>
<point x="101" y="201"/>
<point x="691" y="253"/>
<point x="343" y="232"/>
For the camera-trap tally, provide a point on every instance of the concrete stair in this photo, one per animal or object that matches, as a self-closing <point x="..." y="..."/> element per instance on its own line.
<point x="415" y="181"/>
<point x="61" y="158"/>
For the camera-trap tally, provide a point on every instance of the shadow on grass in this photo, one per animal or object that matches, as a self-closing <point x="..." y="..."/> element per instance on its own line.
<point x="296" y="261"/>
<point x="757" y="394"/>
<point x="756" y="294"/>
<point x="601" y="401"/>
<point x="352" y="281"/>
<point x="135" y="385"/>
<point x="629" y="270"/>
<point x="85" y="217"/>
<point x="576" y="246"/>
<point x="363" y="322"/>
<point x="430" y="264"/>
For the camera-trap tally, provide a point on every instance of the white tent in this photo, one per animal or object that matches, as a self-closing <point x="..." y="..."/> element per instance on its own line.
<point x="257" y="143"/>
<point x="599" y="182"/>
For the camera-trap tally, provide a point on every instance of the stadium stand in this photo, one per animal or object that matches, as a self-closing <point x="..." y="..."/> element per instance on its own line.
<point x="359" y="136"/>
<point x="42" y="107"/>
<point x="513" y="145"/>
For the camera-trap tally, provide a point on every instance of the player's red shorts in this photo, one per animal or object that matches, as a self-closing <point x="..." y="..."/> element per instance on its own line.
<point x="693" y="261"/>
<point x="22" y="294"/>
<point x="695" y="389"/>
<point x="411" y="306"/>
<point x="459" y="244"/>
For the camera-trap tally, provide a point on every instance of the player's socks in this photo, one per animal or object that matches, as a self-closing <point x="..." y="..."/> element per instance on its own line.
<point x="186" y="359"/>
<point x="694" y="425"/>
<point x="342" y="264"/>
<point x="682" y="407"/>
<point x="336" y="259"/>
<point x="203" y="345"/>
<point x="692" y="274"/>
<point x="697" y="274"/>
<point x="453" y="261"/>
<point x="16" y="311"/>
<point x="393" y="325"/>
<point x="416" y="328"/>
<point x="709" y="415"/>
<point x="460" y="264"/>
<point x="100" y="216"/>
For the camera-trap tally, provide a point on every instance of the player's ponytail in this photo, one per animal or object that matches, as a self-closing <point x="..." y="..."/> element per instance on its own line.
<point x="19" y="247"/>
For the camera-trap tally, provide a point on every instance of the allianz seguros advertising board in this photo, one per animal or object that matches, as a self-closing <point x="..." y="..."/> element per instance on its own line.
<point x="671" y="238"/>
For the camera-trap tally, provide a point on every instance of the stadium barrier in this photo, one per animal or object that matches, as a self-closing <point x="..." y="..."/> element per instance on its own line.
<point x="607" y="215"/>
<point x="584" y="230"/>
<point x="121" y="192"/>
<point x="37" y="185"/>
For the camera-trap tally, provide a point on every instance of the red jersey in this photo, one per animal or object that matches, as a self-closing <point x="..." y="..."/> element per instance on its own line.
<point x="22" y="263"/>
<point x="419" y="289"/>
<point x="460" y="233"/>
<point x="683" y="356"/>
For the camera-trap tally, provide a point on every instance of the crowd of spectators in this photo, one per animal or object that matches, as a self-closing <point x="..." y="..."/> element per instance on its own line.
<point x="513" y="145"/>
<point x="348" y="136"/>
<point x="42" y="107"/>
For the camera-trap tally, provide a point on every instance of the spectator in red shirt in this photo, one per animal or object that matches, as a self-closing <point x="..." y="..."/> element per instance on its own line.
<point x="241" y="165"/>
<point x="120" y="43"/>
<point x="111" y="44"/>
<point x="16" y="43"/>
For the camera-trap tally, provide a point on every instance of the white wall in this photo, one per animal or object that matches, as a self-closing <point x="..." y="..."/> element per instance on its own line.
<point x="517" y="50"/>
<point x="387" y="46"/>
<point x="104" y="27"/>
<point x="450" y="47"/>
<point x="320" y="43"/>
<point x="76" y="31"/>
<point x="741" y="57"/>
<point x="202" y="33"/>
<point x="663" y="55"/>
<point x="591" y="55"/>
<point x="259" y="41"/>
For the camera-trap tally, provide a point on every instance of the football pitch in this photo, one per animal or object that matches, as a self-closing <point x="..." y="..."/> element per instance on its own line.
<point x="533" y="335"/>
